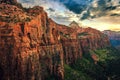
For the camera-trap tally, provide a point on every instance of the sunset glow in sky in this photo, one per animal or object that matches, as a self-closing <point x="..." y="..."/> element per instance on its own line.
<point x="98" y="14"/>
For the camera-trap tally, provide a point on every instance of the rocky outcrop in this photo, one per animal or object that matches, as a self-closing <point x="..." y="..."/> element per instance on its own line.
<point x="74" y="25"/>
<point x="78" y="41"/>
<point x="72" y="50"/>
<point x="93" y="39"/>
<point x="34" y="47"/>
<point x="30" y="50"/>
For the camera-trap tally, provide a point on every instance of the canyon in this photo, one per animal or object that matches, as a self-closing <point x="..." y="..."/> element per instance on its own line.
<point x="34" y="47"/>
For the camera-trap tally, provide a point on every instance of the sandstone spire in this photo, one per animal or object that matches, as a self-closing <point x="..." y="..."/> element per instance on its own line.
<point x="74" y="25"/>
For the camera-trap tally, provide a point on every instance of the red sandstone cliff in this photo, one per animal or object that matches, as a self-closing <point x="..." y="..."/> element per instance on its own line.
<point x="77" y="40"/>
<point x="33" y="47"/>
<point x="29" y="47"/>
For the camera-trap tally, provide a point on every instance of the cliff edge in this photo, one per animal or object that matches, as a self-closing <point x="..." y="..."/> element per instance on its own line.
<point x="34" y="47"/>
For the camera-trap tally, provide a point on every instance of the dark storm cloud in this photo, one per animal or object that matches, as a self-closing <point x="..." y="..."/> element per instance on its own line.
<point x="85" y="15"/>
<point x="77" y="6"/>
<point x="51" y="10"/>
<point x="111" y="8"/>
<point x="86" y="8"/>
<point x="102" y="9"/>
<point x="115" y="15"/>
<point x="26" y="1"/>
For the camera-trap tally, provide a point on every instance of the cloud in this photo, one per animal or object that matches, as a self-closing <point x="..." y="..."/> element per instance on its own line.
<point x="51" y="10"/>
<point x="115" y="15"/>
<point x="99" y="14"/>
<point x="86" y="15"/>
<point x="111" y="8"/>
<point x="75" y="7"/>
<point x="86" y="8"/>
<point x="99" y="8"/>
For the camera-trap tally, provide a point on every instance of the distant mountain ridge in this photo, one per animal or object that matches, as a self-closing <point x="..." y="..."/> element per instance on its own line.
<point x="114" y="37"/>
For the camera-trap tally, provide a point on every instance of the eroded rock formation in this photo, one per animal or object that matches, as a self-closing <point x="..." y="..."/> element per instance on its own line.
<point x="30" y="49"/>
<point x="33" y="47"/>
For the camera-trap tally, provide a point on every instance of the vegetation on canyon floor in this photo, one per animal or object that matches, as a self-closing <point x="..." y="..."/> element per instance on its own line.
<point x="85" y="68"/>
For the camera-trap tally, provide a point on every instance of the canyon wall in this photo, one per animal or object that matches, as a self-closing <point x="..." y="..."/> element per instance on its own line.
<point x="78" y="41"/>
<point x="29" y="50"/>
<point x="33" y="47"/>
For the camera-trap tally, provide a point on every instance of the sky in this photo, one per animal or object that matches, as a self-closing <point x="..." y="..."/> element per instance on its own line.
<point x="98" y="14"/>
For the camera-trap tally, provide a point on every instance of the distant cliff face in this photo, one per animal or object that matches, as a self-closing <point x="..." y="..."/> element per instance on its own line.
<point x="114" y="37"/>
<point x="34" y="47"/>
<point x="113" y="34"/>
<point x="79" y="41"/>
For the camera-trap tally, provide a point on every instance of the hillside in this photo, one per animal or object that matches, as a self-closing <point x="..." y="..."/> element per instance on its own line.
<point x="34" y="47"/>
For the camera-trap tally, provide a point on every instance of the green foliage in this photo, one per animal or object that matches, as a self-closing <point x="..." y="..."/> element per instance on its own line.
<point x="27" y="19"/>
<point x="107" y="54"/>
<point x="102" y="54"/>
<point x="72" y="74"/>
<point x="85" y="68"/>
<point x="82" y="34"/>
<point x="65" y="35"/>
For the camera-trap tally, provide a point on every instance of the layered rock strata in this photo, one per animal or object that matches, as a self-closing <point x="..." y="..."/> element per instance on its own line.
<point x="34" y="47"/>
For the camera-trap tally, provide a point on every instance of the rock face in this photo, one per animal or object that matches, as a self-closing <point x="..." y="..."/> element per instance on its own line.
<point x="74" y="25"/>
<point x="30" y="50"/>
<point x="77" y="41"/>
<point x="33" y="47"/>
